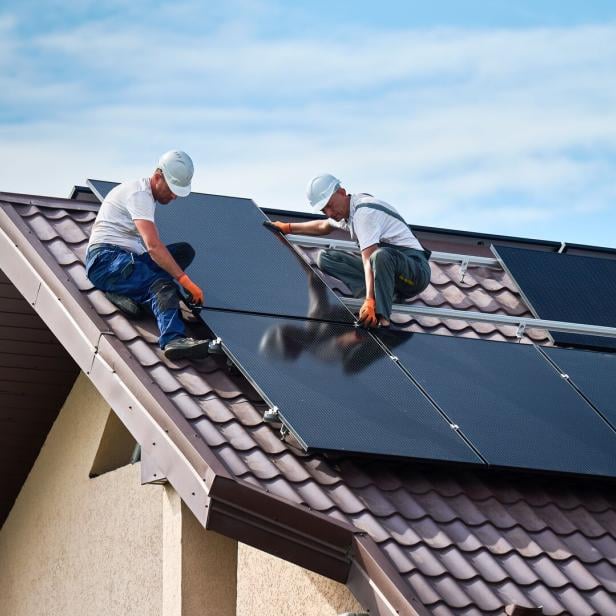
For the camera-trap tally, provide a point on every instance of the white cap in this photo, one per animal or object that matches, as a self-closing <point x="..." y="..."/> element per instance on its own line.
<point x="178" y="169"/>
<point x="320" y="189"/>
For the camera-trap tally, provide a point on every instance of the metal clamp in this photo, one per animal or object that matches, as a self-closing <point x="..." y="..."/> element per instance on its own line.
<point x="271" y="415"/>
<point x="521" y="331"/>
<point x="463" y="268"/>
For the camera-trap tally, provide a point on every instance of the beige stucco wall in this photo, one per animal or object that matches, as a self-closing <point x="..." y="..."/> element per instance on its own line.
<point x="269" y="586"/>
<point x="108" y="546"/>
<point x="75" y="545"/>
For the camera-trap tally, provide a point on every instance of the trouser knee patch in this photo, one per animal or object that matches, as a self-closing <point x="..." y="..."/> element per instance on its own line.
<point x="166" y="294"/>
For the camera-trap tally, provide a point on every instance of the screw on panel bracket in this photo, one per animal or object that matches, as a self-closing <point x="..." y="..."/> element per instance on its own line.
<point x="283" y="432"/>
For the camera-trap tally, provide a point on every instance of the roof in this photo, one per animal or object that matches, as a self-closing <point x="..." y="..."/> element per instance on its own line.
<point x="406" y="538"/>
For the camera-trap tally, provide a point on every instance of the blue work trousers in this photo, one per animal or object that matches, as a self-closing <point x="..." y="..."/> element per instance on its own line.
<point x="399" y="270"/>
<point x="117" y="270"/>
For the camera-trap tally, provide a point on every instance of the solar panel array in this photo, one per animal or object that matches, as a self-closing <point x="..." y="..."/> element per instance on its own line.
<point x="338" y="387"/>
<point x="510" y="402"/>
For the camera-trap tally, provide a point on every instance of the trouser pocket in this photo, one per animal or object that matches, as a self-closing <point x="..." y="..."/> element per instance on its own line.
<point x="415" y="277"/>
<point x="122" y="266"/>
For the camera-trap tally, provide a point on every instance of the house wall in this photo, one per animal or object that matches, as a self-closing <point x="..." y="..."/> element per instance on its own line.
<point x="269" y="586"/>
<point x="108" y="545"/>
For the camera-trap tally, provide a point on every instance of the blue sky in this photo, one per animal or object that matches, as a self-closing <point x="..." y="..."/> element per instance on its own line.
<point x="486" y="115"/>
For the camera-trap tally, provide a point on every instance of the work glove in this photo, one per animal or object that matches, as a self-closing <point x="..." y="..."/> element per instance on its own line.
<point x="282" y="227"/>
<point x="367" y="313"/>
<point x="195" y="292"/>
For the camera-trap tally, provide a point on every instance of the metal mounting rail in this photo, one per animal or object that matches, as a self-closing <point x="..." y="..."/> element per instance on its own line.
<point x="440" y="257"/>
<point x="521" y="323"/>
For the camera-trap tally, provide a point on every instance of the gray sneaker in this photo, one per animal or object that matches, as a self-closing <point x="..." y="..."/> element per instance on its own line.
<point x="186" y="348"/>
<point x="128" y="307"/>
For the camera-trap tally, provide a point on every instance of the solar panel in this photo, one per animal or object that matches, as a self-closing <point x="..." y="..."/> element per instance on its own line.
<point x="593" y="373"/>
<point x="101" y="188"/>
<point x="336" y="388"/>
<point x="562" y="287"/>
<point x="240" y="264"/>
<point x="509" y="402"/>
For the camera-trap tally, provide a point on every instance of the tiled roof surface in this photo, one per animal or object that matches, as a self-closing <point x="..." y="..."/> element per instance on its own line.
<point x="466" y="542"/>
<point x="481" y="289"/>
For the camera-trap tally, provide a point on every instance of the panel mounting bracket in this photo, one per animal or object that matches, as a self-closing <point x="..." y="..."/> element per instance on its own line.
<point x="463" y="268"/>
<point x="521" y="330"/>
<point x="271" y="415"/>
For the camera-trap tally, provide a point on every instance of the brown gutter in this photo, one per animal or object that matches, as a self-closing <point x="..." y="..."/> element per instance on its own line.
<point x="218" y="500"/>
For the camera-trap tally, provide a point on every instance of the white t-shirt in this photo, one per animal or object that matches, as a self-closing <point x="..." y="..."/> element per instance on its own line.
<point x="369" y="226"/>
<point x="114" y="223"/>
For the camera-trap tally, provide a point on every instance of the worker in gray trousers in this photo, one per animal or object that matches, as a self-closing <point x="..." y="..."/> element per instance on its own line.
<point x="392" y="263"/>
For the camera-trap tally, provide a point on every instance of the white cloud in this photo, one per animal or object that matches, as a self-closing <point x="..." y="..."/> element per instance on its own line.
<point x="432" y="120"/>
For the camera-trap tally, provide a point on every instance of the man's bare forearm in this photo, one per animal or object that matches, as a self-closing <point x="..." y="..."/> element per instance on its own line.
<point x="312" y="227"/>
<point x="368" y="273"/>
<point x="164" y="259"/>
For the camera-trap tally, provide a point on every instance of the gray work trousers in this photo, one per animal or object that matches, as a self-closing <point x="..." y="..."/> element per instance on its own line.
<point x="399" y="270"/>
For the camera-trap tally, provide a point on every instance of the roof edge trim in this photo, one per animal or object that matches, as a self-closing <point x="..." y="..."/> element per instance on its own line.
<point x="54" y="202"/>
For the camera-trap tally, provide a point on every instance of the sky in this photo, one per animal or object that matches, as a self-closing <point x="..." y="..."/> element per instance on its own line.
<point x="490" y="116"/>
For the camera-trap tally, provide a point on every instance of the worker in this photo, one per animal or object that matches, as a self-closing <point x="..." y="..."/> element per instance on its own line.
<point x="127" y="259"/>
<point x="392" y="264"/>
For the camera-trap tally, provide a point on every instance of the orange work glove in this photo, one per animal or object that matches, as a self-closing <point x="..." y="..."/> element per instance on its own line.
<point x="367" y="313"/>
<point x="283" y="227"/>
<point x="194" y="291"/>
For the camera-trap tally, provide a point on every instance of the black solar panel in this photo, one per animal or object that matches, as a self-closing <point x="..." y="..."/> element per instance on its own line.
<point x="336" y="388"/>
<point x="509" y="402"/>
<point x="101" y="188"/>
<point x="593" y="373"/>
<point x="563" y="287"/>
<point x="240" y="264"/>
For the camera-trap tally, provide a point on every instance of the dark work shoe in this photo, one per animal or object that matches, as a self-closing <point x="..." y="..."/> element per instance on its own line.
<point x="128" y="307"/>
<point x="186" y="348"/>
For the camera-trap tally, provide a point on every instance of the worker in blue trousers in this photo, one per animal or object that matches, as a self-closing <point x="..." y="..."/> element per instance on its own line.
<point x="392" y="263"/>
<point x="127" y="259"/>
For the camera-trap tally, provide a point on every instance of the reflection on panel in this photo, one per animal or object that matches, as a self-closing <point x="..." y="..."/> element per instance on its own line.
<point x="593" y="373"/>
<point x="510" y="402"/>
<point x="562" y="287"/>
<point x="336" y="388"/>
<point x="240" y="264"/>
